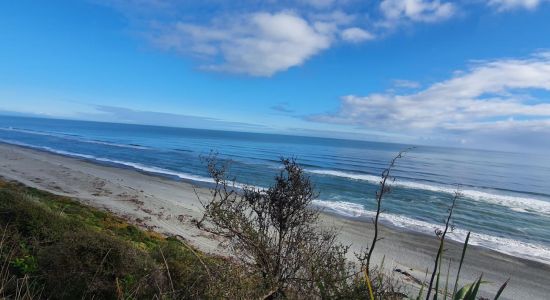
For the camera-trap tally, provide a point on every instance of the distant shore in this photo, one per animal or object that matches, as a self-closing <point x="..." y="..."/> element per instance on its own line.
<point x="169" y="206"/>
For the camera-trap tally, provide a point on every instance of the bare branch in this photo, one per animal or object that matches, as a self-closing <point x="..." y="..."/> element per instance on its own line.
<point x="383" y="189"/>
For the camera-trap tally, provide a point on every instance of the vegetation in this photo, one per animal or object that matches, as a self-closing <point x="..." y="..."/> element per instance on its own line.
<point x="467" y="292"/>
<point x="384" y="189"/>
<point x="52" y="247"/>
<point x="275" y="234"/>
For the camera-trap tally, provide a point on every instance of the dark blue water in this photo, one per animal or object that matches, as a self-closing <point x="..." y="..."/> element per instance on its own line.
<point x="506" y="196"/>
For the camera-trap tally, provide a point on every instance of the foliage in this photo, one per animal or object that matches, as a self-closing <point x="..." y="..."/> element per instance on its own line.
<point x="468" y="292"/>
<point x="275" y="233"/>
<point x="53" y="247"/>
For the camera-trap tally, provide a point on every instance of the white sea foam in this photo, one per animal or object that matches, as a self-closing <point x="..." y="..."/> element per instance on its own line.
<point x="70" y="137"/>
<point x="531" y="251"/>
<point x="134" y="165"/>
<point x="519" y="204"/>
<point x="138" y="166"/>
<point x="356" y="176"/>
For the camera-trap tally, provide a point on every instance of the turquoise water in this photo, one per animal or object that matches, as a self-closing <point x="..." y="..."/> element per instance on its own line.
<point x="506" y="196"/>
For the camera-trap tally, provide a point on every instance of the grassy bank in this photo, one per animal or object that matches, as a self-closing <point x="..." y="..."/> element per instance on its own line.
<point x="54" y="247"/>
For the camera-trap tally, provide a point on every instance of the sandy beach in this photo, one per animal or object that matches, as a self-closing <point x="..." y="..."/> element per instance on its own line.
<point x="169" y="206"/>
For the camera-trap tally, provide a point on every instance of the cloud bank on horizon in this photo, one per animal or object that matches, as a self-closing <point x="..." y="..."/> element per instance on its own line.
<point x="490" y="98"/>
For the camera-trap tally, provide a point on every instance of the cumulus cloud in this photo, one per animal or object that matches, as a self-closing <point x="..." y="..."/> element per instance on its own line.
<point x="512" y="4"/>
<point x="356" y="35"/>
<point x="416" y="10"/>
<point x="490" y="96"/>
<point x="258" y="44"/>
<point x="260" y="40"/>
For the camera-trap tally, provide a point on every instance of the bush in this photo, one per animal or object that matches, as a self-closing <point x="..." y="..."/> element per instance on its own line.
<point x="275" y="234"/>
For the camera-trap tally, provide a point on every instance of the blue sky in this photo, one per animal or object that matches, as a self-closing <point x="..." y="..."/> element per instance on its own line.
<point x="472" y="73"/>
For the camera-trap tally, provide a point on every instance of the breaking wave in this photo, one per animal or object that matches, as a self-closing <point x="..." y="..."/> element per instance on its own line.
<point x="519" y="204"/>
<point x="508" y="246"/>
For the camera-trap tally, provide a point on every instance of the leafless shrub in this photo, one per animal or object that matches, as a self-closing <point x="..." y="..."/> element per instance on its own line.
<point x="274" y="233"/>
<point x="365" y="256"/>
<point x="441" y="234"/>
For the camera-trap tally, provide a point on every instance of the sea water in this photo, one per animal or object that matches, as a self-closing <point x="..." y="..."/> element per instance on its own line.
<point x="505" y="200"/>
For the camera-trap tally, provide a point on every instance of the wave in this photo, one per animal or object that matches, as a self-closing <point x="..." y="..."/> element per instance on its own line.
<point x="356" y="176"/>
<point x="183" y="150"/>
<point x="73" y="137"/>
<point x="518" y="204"/>
<point x="508" y="246"/>
<point x="132" y="146"/>
<point x="134" y="165"/>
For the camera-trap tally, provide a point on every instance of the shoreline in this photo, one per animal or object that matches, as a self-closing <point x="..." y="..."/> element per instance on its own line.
<point x="484" y="241"/>
<point x="168" y="206"/>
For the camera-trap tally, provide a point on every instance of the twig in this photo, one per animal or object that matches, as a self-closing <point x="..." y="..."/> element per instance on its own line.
<point x="168" y="271"/>
<point x="195" y="253"/>
<point x="442" y="240"/>
<point x="379" y="195"/>
<point x="97" y="272"/>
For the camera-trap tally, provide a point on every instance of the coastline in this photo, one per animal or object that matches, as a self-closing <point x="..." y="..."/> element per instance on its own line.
<point x="168" y="206"/>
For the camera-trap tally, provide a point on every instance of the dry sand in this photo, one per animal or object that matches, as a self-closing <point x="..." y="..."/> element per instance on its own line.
<point x="168" y="206"/>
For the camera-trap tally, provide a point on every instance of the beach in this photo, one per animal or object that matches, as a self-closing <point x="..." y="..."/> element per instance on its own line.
<point x="169" y="207"/>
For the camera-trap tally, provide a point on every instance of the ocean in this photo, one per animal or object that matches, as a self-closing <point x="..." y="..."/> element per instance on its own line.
<point x="505" y="199"/>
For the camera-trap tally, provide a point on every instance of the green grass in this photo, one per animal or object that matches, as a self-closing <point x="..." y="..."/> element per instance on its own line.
<point x="54" y="247"/>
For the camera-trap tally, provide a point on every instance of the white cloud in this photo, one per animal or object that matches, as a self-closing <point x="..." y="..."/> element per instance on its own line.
<point x="486" y="96"/>
<point x="235" y="37"/>
<point x="356" y="35"/>
<point x="512" y="4"/>
<point x="259" y="44"/>
<point x="336" y="17"/>
<point x="416" y="10"/>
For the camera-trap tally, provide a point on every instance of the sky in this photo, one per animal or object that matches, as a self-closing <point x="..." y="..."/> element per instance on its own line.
<point x="465" y="73"/>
